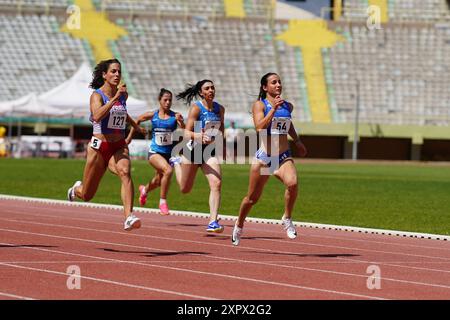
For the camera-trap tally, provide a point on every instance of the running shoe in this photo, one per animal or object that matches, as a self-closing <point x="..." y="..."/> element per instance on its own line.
<point x="174" y="160"/>
<point x="236" y="235"/>
<point x="289" y="227"/>
<point x="132" y="222"/>
<point x="142" y="195"/>
<point x="164" y="209"/>
<point x="71" y="191"/>
<point x="215" y="227"/>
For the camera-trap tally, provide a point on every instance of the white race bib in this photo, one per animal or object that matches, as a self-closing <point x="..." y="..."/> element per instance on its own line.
<point x="95" y="143"/>
<point x="280" y="125"/>
<point x="212" y="128"/>
<point x="163" y="138"/>
<point x="117" y="120"/>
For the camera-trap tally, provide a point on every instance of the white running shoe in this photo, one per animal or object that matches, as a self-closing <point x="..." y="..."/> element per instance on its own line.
<point x="71" y="191"/>
<point x="236" y="235"/>
<point x="289" y="227"/>
<point x="132" y="222"/>
<point x="174" y="160"/>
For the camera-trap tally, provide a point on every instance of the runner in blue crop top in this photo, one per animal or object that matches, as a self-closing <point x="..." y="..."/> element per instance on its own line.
<point x="204" y="128"/>
<point x="108" y="148"/>
<point x="164" y="123"/>
<point x="272" y="116"/>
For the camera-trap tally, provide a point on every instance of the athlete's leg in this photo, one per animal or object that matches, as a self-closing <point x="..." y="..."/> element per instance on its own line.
<point x="156" y="180"/>
<point x="154" y="183"/>
<point x="120" y="164"/>
<point x="256" y="185"/>
<point x="163" y="175"/>
<point x="287" y="173"/>
<point x="94" y="170"/>
<point x="185" y="174"/>
<point x="213" y="174"/>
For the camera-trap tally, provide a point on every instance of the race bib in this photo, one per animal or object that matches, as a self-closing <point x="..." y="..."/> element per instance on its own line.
<point x="117" y="120"/>
<point x="212" y="128"/>
<point x="280" y="125"/>
<point x="163" y="138"/>
<point x="95" y="143"/>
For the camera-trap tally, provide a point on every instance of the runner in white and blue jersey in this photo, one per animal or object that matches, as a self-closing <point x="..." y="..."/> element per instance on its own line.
<point x="272" y="119"/>
<point x="164" y="123"/>
<point x="204" y="128"/>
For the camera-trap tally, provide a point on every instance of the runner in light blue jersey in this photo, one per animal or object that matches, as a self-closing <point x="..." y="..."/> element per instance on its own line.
<point x="204" y="126"/>
<point x="164" y="123"/>
<point x="272" y="119"/>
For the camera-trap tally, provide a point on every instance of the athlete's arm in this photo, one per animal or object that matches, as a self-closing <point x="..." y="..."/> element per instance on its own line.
<point x="180" y="120"/>
<point x="189" y="133"/>
<point x="143" y="117"/>
<point x="100" y="110"/>
<point x="293" y="134"/>
<point x="222" y="129"/>
<point x="261" y="122"/>
<point x="134" y="126"/>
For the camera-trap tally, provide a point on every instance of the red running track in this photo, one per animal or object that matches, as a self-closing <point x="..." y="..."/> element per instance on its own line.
<point x="172" y="257"/>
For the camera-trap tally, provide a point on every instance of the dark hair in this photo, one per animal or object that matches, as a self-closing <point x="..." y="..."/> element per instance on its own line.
<point x="163" y="92"/>
<point x="192" y="91"/>
<point x="262" y="94"/>
<point x="97" y="75"/>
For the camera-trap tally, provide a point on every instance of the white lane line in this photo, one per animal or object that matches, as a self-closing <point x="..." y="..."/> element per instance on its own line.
<point x="238" y="260"/>
<point x="233" y="218"/>
<point x="297" y="242"/>
<point x="182" y="269"/>
<point x="270" y="240"/>
<point x="103" y="215"/>
<point x="364" y="262"/>
<point x="9" y="295"/>
<point x="394" y="264"/>
<point x="122" y="284"/>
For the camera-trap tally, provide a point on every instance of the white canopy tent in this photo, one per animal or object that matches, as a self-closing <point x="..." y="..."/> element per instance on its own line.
<point x="7" y="107"/>
<point x="28" y="106"/>
<point x="74" y="95"/>
<point x="31" y="106"/>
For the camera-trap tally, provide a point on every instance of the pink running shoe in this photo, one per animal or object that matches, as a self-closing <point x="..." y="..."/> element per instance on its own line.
<point x="164" y="209"/>
<point x="143" y="195"/>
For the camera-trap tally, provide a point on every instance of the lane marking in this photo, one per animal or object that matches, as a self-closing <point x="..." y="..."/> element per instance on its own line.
<point x="231" y="259"/>
<point x="193" y="271"/>
<point x="9" y="295"/>
<point x="233" y="218"/>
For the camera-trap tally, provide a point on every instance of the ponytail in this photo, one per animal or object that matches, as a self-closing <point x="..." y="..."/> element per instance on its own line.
<point x="192" y="91"/>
